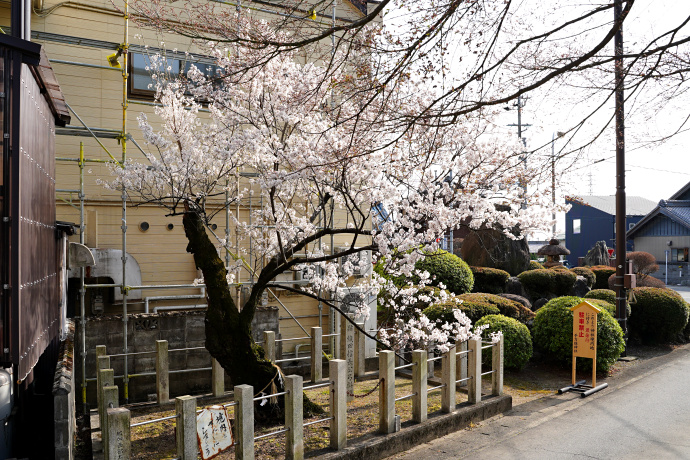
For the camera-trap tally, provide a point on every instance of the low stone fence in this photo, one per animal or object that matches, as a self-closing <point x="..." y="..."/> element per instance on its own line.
<point x="116" y="421"/>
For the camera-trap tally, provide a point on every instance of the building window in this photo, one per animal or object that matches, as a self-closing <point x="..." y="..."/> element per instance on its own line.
<point x="577" y="226"/>
<point x="142" y="84"/>
<point x="679" y="255"/>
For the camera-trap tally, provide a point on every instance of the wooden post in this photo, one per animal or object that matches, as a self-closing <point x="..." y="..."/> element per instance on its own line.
<point x="497" y="365"/>
<point x="474" y="369"/>
<point x="448" y="368"/>
<point x="185" y="428"/>
<point x="162" y="372"/>
<point x="387" y="392"/>
<point x="337" y="371"/>
<point x="119" y="440"/>
<point x="316" y="351"/>
<point x="270" y="346"/>
<point x="294" y="438"/>
<point x="244" y="422"/>
<point x="419" y="385"/>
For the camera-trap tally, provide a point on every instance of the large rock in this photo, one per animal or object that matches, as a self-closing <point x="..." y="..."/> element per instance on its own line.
<point x="514" y="287"/>
<point x="598" y="255"/>
<point x="580" y="288"/>
<point x="492" y="248"/>
<point x="518" y="298"/>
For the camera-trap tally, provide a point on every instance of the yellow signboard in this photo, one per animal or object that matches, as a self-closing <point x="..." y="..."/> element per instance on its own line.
<point x="585" y="335"/>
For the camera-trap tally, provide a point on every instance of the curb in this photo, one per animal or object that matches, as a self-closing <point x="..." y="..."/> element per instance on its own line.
<point x="411" y="435"/>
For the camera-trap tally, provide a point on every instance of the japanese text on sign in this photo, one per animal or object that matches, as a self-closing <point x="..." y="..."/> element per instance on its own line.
<point x="214" y="432"/>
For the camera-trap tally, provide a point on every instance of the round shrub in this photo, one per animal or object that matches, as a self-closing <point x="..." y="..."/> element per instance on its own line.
<point x="517" y="342"/>
<point x="474" y="311"/>
<point x="658" y="315"/>
<point x="586" y="273"/>
<point x="640" y="281"/>
<point x="602" y="272"/>
<point x="602" y="294"/>
<point x="553" y="333"/>
<point x="563" y="281"/>
<point x="506" y="307"/>
<point x="448" y="269"/>
<point x="604" y="305"/>
<point x="605" y="295"/>
<point x="489" y="280"/>
<point x="539" y="281"/>
<point x="535" y="265"/>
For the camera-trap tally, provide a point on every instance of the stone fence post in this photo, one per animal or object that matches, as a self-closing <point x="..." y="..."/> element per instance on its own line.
<point x="106" y="378"/>
<point x="162" y="372"/>
<point x="360" y="351"/>
<point x="294" y="418"/>
<point x="448" y="378"/>
<point x="461" y="364"/>
<point x="474" y="369"/>
<point x="110" y="398"/>
<point x="185" y="428"/>
<point x="270" y="346"/>
<point x="217" y="378"/>
<point x="497" y="365"/>
<point x="337" y="371"/>
<point x="244" y="422"/>
<point x="419" y="385"/>
<point x="316" y="354"/>
<point x="119" y="441"/>
<point x="387" y="392"/>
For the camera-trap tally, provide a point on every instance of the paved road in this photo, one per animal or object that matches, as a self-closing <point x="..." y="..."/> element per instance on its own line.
<point x="646" y="416"/>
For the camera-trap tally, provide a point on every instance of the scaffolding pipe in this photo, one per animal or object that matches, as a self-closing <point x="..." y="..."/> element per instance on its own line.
<point x="202" y="295"/>
<point x="92" y="134"/>
<point x="83" y="64"/>
<point x="123" y="141"/>
<point x="82" y="274"/>
<point x="179" y="307"/>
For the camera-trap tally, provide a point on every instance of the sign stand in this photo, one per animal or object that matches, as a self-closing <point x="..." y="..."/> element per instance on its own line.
<point x="584" y="346"/>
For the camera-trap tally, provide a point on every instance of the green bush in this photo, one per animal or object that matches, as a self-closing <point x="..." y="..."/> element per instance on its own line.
<point x="540" y="281"/>
<point x="553" y="333"/>
<point x="602" y="294"/>
<point x="658" y="315"/>
<point x="448" y="269"/>
<point x="604" y="305"/>
<point x="587" y="273"/>
<point x="474" y="311"/>
<point x="605" y="295"/>
<point x="602" y="272"/>
<point x="535" y="265"/>
<point x="506" y="307"/>
<point x="489" y="280"/>
<point x="563" y="281"/>
<point x="517" y="342"/>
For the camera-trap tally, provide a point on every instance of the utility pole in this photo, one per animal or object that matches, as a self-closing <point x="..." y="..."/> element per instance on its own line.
<point x="521" y="101"/>
<point x="621" y="298"/>
<point x="554" y="136"/>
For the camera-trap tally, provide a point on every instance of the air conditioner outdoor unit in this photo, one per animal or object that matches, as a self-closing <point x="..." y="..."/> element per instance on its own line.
<point x="348" y="299"/>
<point x="361" y="260"/>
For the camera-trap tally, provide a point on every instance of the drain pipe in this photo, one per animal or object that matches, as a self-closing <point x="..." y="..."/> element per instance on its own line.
<point x="179" y="307"/>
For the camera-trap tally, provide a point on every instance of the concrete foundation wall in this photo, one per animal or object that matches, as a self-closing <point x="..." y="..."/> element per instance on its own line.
<point x="181" y="329"/>
<point x="64" y="408"/>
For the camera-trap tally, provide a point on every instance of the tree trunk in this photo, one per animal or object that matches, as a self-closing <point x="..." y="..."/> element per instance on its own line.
<point x="228" y="332"/>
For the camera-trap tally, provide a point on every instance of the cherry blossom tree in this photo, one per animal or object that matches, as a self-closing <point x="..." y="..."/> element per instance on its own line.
<point x="320" y="157"/>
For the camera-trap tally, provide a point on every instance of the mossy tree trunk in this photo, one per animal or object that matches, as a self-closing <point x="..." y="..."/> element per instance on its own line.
<point x="228" y="329"/>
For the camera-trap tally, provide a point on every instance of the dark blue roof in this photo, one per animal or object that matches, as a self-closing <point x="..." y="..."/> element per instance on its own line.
<point x="676" y="210"/>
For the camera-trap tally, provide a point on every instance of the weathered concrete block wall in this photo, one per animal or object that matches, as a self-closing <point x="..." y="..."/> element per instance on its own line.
<point x="183" y="329"/>
<point x="64" y="407"/>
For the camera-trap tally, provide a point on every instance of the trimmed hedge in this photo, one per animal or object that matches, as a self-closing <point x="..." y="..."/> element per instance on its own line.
<point x="553" y="331"/>
<point x="602" y="294"/>
<point x="474" y="311"/>
<point x="587" y="273"/>
<point x="506" y="307"/>
<point x="489" y="280"/>
<point x="448" y="269"/>
<point x="535" y="265"/>
<point x="539" y="281"/>
<point x="517" y="342"/>
<point x="658" y="315"/>
<point x="564" y="281"/>
<point x="602" y="272"/>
